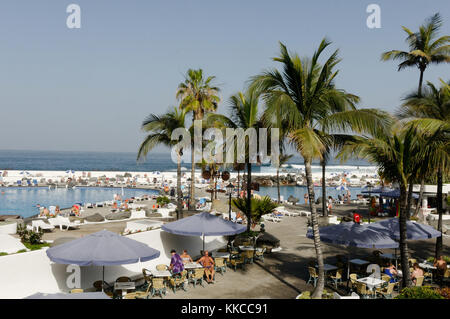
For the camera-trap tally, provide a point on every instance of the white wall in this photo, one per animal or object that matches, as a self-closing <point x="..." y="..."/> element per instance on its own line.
<point x="27" y="273"/>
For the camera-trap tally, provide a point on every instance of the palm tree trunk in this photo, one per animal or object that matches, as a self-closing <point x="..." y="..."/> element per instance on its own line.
<point x="438" y="251"/>
<point x="249" y="195"/>
<point x="278" y="185"/>
<point x="406" y="279"/>
<point x="179" y="193"/>
<point x="409" y="199"/>
<point x="324" y="190"/>
<point x="192" y="186"/>
<point x="419" y="202"/>
<point x="420" y="82"/>
<point x="315" y="225"/>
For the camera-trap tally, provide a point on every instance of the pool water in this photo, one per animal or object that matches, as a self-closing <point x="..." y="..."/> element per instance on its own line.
<point x="300" y="191"/>
<point x="23" y="200"/>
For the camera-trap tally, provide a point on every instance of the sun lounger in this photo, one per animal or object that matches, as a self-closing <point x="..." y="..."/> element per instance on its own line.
<point x="272" y="218"/>
<point x="36" y="224"/>
<point x="137" y="214"/>
<point x="60" y="222"/>
<point x="305" y="213"/>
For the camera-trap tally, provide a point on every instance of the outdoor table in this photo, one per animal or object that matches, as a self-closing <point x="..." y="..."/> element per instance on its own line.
<point x="161" y="273"/>
<point x="124" y="286"/>
<point x="371" y="282"/>
<point x="328" y="267"/>
<point x="246" y="248"/>
<point x="190" y="266"/>
<point x="359" y="262"/>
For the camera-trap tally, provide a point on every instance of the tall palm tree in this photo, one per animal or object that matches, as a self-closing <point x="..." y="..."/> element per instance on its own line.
<point x="160" y="129"/>
<point x="396" y="153"/>
<point x="424" y="48"/>
<point x="197" y="95"/>
<point x="310" y="104"/>
<point x="432" y="107"/>
<point x="244" y="115"/>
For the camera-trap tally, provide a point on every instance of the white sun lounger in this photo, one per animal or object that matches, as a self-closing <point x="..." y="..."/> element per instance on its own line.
<point x="305" y="213"/>
<point x="60" y="221"/>
<point x="36" y="224"/>
<point x="272" y="218"/>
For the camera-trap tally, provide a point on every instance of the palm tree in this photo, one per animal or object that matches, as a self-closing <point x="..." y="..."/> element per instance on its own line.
<point x="160" y="129"/>
<point x="396" y="152"/>
<point x="311" y="104"/>
<point x="197" y="95"/>
<point x="259" y="206"/>
<point x="433" y="107"/>
<point x="424" y="48"/>
<point x="244" y="115"/>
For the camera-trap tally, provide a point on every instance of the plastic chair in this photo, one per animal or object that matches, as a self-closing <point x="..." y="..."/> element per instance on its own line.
<point x="219" y="265"/>
<point x="313" y="276"/>
<point x="179" y="282"/>
<point x="158" y="287"/>
<point x="161" y="267"/>
<point x="197" y="276"/>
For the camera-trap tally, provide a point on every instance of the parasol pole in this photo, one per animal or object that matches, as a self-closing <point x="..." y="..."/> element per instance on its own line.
<point x="203" y="242"/>
<point x="103" y="278"/>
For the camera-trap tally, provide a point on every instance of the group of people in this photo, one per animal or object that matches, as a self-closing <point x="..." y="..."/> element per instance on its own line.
<point x="417" y="271"/>
<point x="177" y="263"/>
<point x="45" y="212"/>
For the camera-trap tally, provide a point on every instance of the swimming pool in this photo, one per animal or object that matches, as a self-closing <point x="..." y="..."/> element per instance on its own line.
<point x="23" y="200"/>
<point x="300" y="191"/>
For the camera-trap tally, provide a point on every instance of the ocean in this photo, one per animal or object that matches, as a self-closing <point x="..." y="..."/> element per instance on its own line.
<point x="115" y="161"/>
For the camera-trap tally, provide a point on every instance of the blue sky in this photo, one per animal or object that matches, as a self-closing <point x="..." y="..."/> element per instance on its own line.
<point x="89" y="89"/>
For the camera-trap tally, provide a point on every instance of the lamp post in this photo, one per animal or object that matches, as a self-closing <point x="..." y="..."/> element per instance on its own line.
<point x="230" y="189"/>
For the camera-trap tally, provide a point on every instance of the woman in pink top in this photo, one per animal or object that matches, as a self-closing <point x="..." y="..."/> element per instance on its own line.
<point x="417" y="272"/>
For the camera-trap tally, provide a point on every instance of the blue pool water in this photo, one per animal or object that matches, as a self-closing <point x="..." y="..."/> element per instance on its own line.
<point x="22" y="200"/>
<point x="300" y="191"/>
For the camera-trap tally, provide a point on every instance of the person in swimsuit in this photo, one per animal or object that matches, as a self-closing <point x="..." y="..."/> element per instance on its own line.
<point x="185" y="257"/>
<point x="208" y="263"/>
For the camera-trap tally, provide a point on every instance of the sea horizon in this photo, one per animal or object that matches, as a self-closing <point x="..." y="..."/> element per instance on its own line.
<point x="115" y="161"/>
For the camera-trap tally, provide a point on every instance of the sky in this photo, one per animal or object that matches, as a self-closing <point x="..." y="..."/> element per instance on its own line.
<point x="89" y="89"/>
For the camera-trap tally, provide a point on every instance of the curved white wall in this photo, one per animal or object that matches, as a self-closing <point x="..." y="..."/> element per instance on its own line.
<point x="27" y="273"/>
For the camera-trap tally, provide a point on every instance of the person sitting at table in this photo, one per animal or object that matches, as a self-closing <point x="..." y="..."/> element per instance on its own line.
<point x="208" y="263"/>
<point x="186" y="258"/>
<point x="441" y="268"/>
<point x="391" y="271"/>
<point x="417" y="272"/>
<point x="176" y="264"/>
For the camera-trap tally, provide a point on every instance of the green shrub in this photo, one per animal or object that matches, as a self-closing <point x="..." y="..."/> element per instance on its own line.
<point x="424" y="292"/>
<point x="162" y="200"/>
<point x="21" y="251"/>
<point x="29" y="236"/>
<point x="3" y="254"/>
